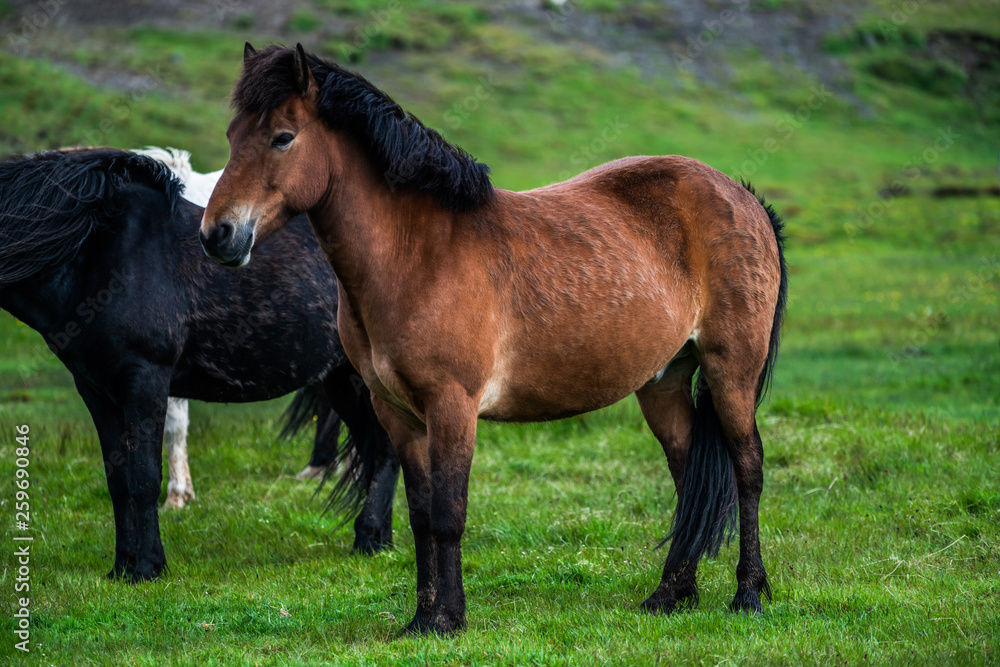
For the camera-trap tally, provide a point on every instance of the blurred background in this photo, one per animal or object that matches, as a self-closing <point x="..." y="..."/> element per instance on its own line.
<point x="873" y="126"/>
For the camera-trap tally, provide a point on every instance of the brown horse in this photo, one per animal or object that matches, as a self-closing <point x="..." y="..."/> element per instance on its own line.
<point x="459" y="300"/>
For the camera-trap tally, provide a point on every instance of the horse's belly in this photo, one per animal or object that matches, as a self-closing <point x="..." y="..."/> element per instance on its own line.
<point x="254" y="378"/>
<point x="586" y="367"/>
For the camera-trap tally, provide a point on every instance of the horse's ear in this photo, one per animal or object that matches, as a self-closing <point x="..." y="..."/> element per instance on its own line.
<point x="303" y="75"/>
<point x="248" y="52"/>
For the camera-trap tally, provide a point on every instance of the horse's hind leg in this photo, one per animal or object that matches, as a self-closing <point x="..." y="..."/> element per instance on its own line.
<point x="180" y="491"/>
<point x="668" y="409"/>
<point x="733" y="383"/>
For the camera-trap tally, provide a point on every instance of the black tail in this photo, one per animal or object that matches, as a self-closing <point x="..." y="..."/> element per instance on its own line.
<point x="764" y="383"/>
<point x="303" y="410"/>
<point x="707" y="504"/>
<point x="356" y="456"/>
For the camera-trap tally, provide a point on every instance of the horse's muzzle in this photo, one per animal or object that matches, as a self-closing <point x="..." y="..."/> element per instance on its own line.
<point x="228" y="244"/>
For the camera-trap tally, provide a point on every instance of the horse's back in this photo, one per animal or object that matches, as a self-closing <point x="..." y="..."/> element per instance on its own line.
<point x="710" y="231"/>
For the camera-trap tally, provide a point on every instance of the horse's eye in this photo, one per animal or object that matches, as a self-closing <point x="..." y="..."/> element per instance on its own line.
<point x="282" y="140"/>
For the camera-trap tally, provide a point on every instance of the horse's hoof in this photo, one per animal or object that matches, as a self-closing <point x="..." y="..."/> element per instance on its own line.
<point x="311" y="472"/>
<point x="653" y="605"/>
<point x="174" y="502"/>
<point x="144" y="571"/>
<point x="667" y="602"/>
<point x="369" y="545"/>
<point x="123" y="568"/>
<point x="132" y="575"/>
<point x="419" y="626"/>
<point x="748" y="601"/>
<point x="442" y="625"/>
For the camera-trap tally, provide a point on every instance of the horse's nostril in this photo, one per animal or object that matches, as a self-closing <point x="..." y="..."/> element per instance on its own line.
<point x="223" y="232"/>
<point x="219" y="236"/>
<point x="226" y="244"/>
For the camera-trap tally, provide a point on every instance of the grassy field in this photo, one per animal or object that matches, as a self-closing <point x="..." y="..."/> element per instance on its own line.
<point x="880" y="521"/>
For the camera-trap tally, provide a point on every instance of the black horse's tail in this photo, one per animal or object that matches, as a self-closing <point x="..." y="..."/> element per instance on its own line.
<point x="764" y="383"/>
<point x="356" y="455"/>
<point x="707" y="504"/>
<point x="311" y="405"/>
<point x="303" y="410"/>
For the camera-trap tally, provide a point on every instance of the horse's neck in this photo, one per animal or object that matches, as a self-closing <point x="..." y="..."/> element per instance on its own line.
<point x="376" y="237"/>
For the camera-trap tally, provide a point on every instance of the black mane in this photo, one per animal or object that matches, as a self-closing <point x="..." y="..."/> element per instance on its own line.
<point x="51" y="202"/>
<point x="405" y="150"/>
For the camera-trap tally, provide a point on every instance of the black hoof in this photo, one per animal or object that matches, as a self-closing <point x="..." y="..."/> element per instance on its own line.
<point x="123" y="568"/>
<point x="137" y="573"/>
<point x="654" y="605"/>
<point x="666" y="601"/>
<point x="148" y="573"/>
<point x="748" y="601"/>
<point x="441" y="624"/>
<point x="417" y="627"/>
<point x="372" y="543"/>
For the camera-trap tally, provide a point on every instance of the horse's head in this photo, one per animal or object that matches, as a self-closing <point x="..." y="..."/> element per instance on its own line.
<point x="297" y="146"/>
<point x="280" y="162"/>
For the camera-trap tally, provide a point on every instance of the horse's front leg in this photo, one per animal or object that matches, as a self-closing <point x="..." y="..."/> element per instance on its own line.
<point x="145" y="407"/>
<point x="451" y="428"/>
<point x="109" y="420"/>
<point x="436" y="474"/>
<point x="410" y="444"/>
<point x="373" y="525"/>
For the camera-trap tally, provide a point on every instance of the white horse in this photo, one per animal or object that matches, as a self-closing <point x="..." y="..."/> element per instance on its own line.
<point x="197" y="189"/>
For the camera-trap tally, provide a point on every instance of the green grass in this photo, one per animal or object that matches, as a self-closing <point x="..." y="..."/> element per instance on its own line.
<point x="879" y="523"/>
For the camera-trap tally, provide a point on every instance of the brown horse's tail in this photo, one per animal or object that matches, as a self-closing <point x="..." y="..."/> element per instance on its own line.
<point x="708" y="502"/>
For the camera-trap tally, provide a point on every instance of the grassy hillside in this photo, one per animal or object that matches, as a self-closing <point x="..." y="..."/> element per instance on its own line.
<point x="873" y="130"/>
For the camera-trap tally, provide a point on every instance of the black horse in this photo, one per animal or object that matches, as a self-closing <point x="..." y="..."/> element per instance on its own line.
<point x="99" y="254"/>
